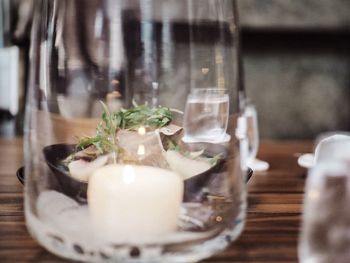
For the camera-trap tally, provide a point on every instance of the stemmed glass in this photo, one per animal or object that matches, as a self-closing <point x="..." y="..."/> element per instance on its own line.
<point x="252" y="132"/>
<point x="248" y="132"/>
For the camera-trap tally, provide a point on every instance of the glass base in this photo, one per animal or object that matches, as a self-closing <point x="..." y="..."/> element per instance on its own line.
<point x="184" y="251"/>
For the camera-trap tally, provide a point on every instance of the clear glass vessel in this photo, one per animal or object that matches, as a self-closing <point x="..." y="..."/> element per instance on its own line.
<point x="250" y="114"/>
<point x="325" y="221"/>
<point x="110" y="175"/>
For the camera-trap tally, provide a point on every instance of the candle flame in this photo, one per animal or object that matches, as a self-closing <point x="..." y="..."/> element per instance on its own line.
<point x="313" y="194"/>
<point x="142" y="130"/>
<point x="141" y="150"/>
<point x="218" y="219"/>
<point x="128" y="174"/>
<point x="205" y="71"/>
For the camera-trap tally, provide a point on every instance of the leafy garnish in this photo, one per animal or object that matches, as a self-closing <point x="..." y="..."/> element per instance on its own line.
<point x="214" y="160"/>
<point x="102" y="144"/>
<point x="143" y="115"/>
<point x="68" y="160"/>
<point x="173" y="146"/>
<point x="131" y="119"/>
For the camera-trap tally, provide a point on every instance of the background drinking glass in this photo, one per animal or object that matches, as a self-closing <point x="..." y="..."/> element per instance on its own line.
<point x="326" y="218"/>
<point x="332" y="145"/>
<point x="248" y="132"/>
<point x="250" y="115"/>
<point x="206" y="116"/>
<point x="324" y="236"/>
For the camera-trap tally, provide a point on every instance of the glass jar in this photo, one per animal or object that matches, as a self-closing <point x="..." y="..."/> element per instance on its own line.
<point x="109" y="174"/>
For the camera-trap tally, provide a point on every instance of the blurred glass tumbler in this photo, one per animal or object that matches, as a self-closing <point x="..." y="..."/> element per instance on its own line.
<point x="114" y="171"/>
<point x="248" y="132"/>
<point x="206" y="116"/>
<point x="332" y="146"/>
<point x="326" y="219"/>
<point x="252" y="132"/>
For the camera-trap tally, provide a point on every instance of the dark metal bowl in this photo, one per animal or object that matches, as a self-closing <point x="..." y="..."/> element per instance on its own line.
<point x="56" y="153"/>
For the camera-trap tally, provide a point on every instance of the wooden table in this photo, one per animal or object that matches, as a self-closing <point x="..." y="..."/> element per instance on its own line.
<point x="273" y="218"/>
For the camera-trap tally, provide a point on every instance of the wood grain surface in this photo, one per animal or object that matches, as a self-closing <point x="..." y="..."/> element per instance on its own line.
<point x="273" y="216"/>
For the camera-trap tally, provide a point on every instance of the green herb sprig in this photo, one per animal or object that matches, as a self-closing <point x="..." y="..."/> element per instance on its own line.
<point x="130" y="119"/>
<point x="138" y="115"/>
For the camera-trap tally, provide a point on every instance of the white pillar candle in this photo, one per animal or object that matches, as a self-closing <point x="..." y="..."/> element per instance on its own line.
<point x="134" y="204"/>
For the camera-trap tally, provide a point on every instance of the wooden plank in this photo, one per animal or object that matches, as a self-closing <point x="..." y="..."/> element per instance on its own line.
<point x="11" y="204"/>
<point x="10" y="184"/>
<point x="273" y="216"/>
<point x="37" y="255"/>
<point x="11" y="156"/>
<point x="276" y="185"/>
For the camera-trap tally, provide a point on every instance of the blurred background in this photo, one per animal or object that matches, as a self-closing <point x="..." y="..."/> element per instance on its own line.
<point x="296" y="59"/>
<point x="297" y="65"/>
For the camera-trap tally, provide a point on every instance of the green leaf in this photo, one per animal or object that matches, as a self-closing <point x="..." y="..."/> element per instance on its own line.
<point x="132" y="118"/>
